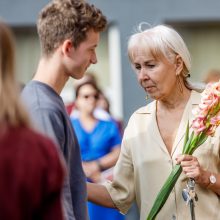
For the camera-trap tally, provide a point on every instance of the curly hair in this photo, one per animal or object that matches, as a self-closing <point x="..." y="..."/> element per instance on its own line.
<point x="67" y="19"/>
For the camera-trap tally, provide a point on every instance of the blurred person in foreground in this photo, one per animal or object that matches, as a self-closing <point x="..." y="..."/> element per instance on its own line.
<point x="154" y="137"/>
<point x="69" y="32"/>
<point x="211" y="76"/>
<point x="99" y="142"/>
<point x="30" y="167"/>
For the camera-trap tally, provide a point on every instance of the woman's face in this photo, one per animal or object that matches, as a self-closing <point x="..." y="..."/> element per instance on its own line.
<point x="157" y="77"/>
<point x="87" y="99"/>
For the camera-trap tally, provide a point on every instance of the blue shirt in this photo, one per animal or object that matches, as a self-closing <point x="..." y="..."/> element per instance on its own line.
<point x="98" y="142"/>
<point x="95" y="144"/>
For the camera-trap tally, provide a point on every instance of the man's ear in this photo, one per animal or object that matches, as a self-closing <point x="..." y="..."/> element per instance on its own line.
<point x="67" y="46"/>
<point x="179" y="64"/>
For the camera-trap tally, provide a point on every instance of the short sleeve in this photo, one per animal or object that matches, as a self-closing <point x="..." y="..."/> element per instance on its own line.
<point x="121" y="189"/>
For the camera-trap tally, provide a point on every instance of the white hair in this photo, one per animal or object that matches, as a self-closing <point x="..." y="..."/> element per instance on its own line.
<point x="161" y="41"/>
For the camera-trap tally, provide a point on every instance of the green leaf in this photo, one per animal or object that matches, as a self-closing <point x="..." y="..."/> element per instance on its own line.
<point x="202" y="138"/>
<point x="200" y="141"/>
<point x="192" y="145"/>
<point x="187" y="145"/>
<point x="186" y="135"/>
<point x="164" y="192"/>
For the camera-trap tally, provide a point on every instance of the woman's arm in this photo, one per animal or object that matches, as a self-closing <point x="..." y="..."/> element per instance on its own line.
<point x="110" y="159"/>
<point x="98" y="194"/>
<point x="93" y="168"/>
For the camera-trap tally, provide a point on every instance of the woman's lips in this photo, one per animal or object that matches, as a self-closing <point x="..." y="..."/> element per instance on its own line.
<point x="149" y="88"/>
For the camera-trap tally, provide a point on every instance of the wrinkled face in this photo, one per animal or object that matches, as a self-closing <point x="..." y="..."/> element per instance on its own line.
<point x="87" y="99"/>
<point x="156" y="76"/>
<point x="84" y="55"/>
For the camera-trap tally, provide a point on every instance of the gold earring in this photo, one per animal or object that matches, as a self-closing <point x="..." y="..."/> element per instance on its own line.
<point x="179" y="83"/>
<point x="146" y="97"/>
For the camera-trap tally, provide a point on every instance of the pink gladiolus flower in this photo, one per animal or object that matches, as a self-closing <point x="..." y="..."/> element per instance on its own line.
<point x="198" y="126"/>
<point x="206" y="112"/>
<point x="215" y="120"/>
<point x="207" y="119"/>
<point x="211" y="131"/>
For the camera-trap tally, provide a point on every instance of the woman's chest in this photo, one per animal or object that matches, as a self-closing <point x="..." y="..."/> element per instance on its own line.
<point x="168" y="126"/>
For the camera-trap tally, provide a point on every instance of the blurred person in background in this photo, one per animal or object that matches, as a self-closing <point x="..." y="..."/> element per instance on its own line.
<point x="99" y="112"/>
<point x="99" y="142"/>
<point x="89" y="76"/>
<point x="30" y="167"/>
<point x="69" y="32"/>
<point x="104" y="104"/>
<point x="211" y="76"/>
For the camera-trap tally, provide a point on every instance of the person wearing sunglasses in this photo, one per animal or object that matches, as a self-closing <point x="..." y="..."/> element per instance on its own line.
<point x="99" y="142"/>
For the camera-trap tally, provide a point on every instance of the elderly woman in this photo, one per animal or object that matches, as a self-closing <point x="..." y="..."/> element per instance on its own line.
<point x="154" y="136"/>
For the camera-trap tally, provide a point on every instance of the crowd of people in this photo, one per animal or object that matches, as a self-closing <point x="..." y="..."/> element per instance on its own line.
<point x="81" y="165"/>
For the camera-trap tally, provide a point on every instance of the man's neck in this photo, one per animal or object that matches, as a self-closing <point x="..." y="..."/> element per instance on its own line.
<point x="50" y="72"/>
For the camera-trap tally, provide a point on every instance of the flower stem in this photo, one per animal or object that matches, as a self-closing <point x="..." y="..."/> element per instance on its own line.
<point x="165" y="192"/>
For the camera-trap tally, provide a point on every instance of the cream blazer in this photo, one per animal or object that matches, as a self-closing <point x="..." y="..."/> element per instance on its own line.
<point x="144" y="164"/>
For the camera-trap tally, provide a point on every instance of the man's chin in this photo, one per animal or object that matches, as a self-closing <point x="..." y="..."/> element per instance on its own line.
<point x="78" y="76"/>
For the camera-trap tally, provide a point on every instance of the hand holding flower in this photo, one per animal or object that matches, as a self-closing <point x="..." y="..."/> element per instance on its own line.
<point x="191" y="167"/>
<point x="207" y="119"/>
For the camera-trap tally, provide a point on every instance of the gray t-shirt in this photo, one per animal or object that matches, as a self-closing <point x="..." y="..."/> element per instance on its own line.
<point x="49" y="115"/>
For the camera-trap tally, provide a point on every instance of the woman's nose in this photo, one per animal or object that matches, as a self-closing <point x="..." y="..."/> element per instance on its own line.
<point x="143" y="74"/>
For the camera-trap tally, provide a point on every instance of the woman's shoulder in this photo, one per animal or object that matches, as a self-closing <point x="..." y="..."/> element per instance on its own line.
<point x="29" y="137"/>
<point x="195" y="97"/>
<point x="35" y="167"/>
<point x="142" y="114"/>
<point x="74" y="119"/>
<point x="30" y="146"/>
<point x="147" y="109"/>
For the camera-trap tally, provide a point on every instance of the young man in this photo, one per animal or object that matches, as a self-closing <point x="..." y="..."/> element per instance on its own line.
<point x="69" y="33"/>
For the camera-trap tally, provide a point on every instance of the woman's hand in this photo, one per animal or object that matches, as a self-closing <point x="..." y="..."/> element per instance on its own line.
<point x="92" y="171"/>
<point x="191" y="167"/>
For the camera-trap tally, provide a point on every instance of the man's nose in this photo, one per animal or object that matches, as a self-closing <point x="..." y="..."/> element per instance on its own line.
<point x="94" y="59"/>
